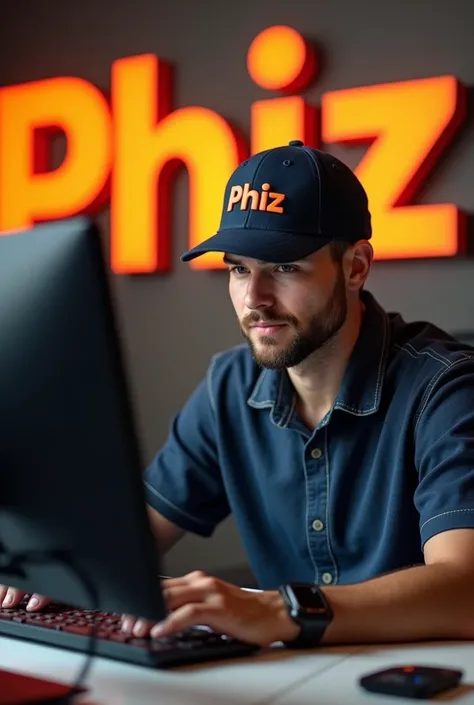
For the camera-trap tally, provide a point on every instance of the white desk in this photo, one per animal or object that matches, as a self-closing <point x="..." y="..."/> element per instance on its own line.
<point x="339" y="685"/>
<point x="276" y="677"/>
<point x="259" y="679"/>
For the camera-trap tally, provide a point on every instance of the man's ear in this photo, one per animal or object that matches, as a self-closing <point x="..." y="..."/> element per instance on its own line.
<point x="357" y="262"/>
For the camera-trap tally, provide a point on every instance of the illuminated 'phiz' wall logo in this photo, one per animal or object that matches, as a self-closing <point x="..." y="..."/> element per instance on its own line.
<point x="126" y="152"/>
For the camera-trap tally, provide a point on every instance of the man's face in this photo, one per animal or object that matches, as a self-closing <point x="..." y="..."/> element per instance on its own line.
<point x="288" y="311"/>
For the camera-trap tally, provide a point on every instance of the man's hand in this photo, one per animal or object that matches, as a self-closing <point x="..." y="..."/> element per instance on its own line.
<point x="11" y="597"/>
<point x="257" y="617"/>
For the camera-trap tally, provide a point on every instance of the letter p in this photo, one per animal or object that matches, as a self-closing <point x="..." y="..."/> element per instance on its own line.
<point x="30" y="192"/>
<point x="234" y="197"/>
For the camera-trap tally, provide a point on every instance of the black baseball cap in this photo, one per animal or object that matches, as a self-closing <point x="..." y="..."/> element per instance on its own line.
<point x="283" y="204"/>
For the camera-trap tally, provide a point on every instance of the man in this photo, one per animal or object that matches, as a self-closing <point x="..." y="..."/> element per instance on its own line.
<point x="340" y="437"/>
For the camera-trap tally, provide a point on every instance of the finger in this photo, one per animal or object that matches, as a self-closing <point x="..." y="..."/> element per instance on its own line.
<point x="184" y="579"/>
<point x="142" y="627"/>
<point x="134" y="626"/>
<point x="180" y="595"/>
<point x="3" y="592"/>
<point x="13" y="597"/>
<point x="188" y="616"/>
<point x="127" y="623"/>
<point x="37" y="602"/>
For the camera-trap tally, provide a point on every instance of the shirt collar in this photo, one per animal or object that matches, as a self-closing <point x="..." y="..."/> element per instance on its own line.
<point x="362" y="383"/>
<point x="274" y="391"/>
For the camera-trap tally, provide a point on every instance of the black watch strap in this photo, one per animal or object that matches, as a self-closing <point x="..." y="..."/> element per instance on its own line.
<point x="310" y="610"/>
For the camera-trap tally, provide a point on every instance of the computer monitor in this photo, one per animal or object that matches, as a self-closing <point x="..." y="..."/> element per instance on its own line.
<point x="70" y="469"/>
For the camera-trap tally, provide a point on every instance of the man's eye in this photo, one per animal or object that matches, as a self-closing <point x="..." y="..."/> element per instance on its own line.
<point x="238" y="269"/>
<point x="287" y="268"/>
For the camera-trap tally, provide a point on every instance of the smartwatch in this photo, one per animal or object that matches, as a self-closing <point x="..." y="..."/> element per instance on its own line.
<point x="309" y="608"/>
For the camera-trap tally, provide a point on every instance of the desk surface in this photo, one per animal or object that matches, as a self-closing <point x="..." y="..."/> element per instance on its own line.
<point x="276" y="676"/>
<point x="339" y="684"/>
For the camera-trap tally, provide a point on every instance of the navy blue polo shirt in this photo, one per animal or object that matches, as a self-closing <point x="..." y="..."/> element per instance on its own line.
<point x="389" y="466"/>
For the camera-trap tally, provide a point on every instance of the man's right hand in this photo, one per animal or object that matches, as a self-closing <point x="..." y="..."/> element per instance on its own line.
<point x="11" y="597"/>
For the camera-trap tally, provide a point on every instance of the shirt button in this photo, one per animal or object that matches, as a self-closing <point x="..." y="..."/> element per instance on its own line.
<point x="316" y="453"/>
<point x="327" y="578"/>
<point x="318" y="525"/>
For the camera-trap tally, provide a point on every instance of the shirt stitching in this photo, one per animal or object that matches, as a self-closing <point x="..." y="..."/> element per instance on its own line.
<point x="411" y="350"/>
<point x="271" y="403"/>
<point x="286" y="421"/>
<point x="177" y="509"/>
<point x="431" y="353"/>
<point x="452" y="511"/>
<point x="279" y="423"/>
<point x="365" y="412"/>
<point x="355" y="410"/>
<point x="283" y="422"/>
<point x="252" y="401"/>
<point x="328" y="541"/>
<point x="308" y="539"/>
<point x="426" y="396"/>
<point x="402" y="348"/>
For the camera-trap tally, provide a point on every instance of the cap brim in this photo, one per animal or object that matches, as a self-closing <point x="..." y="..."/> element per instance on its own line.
<point x="267" y="245"/>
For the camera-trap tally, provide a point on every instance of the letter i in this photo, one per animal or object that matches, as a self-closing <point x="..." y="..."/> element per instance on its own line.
<point x="280" y="59"/>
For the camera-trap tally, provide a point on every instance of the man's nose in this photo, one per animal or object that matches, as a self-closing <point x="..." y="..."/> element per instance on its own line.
<point x="259" y="293"/>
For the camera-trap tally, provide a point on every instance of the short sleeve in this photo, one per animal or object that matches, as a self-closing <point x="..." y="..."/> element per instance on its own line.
<point x="184" y="482"/>
<point x="444" y="451"/>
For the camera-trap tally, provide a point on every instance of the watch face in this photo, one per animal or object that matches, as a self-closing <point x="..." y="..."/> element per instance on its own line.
<point x="308" y="598"/>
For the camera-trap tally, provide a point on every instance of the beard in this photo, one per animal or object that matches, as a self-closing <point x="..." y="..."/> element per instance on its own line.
<point x="307" y="339"/>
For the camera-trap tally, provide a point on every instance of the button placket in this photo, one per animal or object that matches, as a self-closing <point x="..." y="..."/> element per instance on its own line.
<point x="316" y="507"/>
<point x="318" y="484"/>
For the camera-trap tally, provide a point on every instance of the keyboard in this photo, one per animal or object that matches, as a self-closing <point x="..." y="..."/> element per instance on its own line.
<point x="71" y="628"/>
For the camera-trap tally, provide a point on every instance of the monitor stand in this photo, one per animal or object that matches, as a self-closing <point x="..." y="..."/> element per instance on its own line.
<point x="20" y="689"/>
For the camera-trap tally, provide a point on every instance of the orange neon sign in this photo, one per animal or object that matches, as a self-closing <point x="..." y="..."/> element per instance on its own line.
<point x="127" y="152"/>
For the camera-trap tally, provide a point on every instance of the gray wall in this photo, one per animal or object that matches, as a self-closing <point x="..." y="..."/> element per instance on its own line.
<point x="172" y="324"/>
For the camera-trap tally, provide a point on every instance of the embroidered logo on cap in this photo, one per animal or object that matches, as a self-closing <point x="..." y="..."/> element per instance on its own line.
<point x="264" y="200"/>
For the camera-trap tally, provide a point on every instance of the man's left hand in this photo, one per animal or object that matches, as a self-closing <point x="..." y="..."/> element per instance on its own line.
<point x="199" y="599"/>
